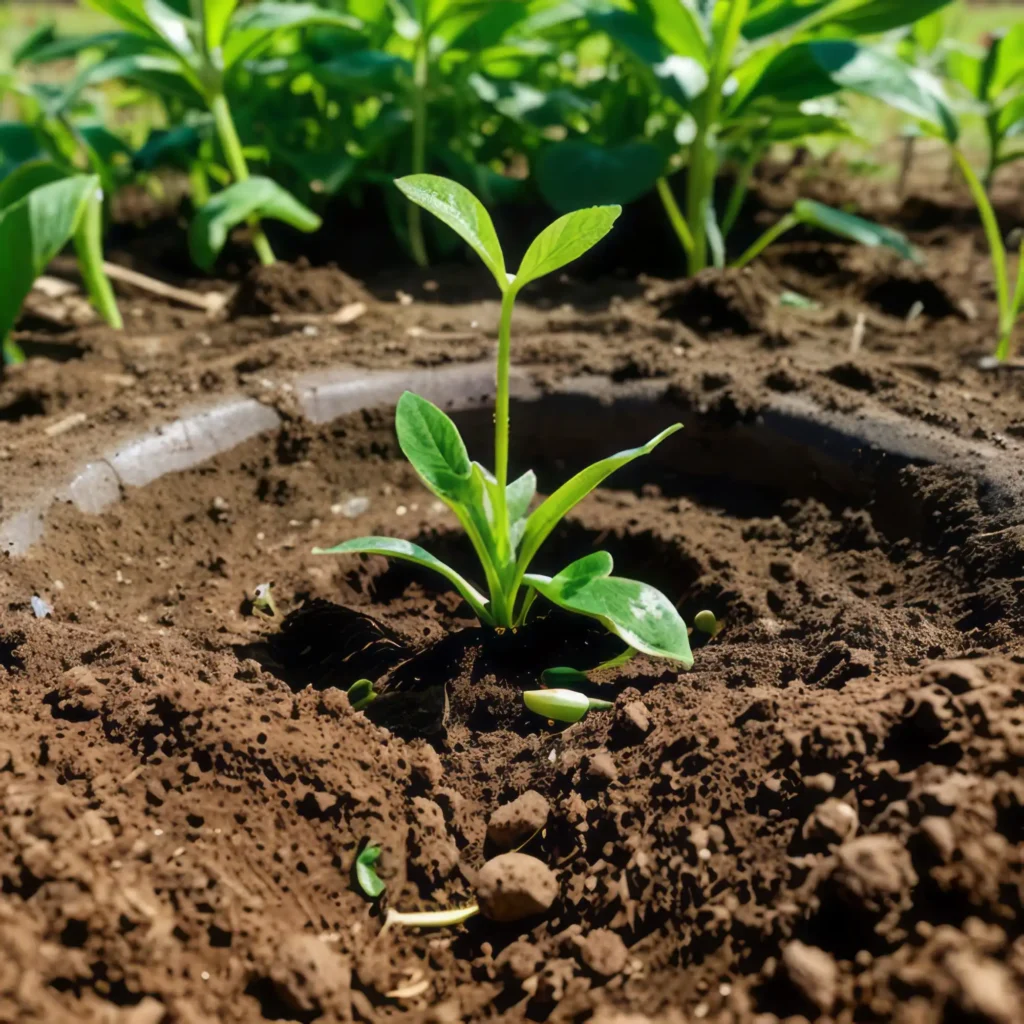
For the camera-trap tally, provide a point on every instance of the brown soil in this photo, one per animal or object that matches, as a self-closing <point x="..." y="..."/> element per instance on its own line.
<point x="824" y="820"/>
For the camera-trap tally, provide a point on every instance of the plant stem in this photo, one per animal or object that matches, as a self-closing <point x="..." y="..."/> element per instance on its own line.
<point x="232" y="146"/>
<point x="421" y="75"/>
<point x="675" y="215"/>
<point x="703" y="163"/>
<point x="198" y="184"/>
<point x="501" y="422"/>
<point x="996" y="249"/>
<point x="1005" y="347"/>
<point x="762" y="243"/>
<point x="739" y="189"/>
<point x="12" y="355"/>
<point x="89" y="246"/>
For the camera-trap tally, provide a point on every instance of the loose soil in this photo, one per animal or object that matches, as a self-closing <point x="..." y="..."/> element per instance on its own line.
<point x="823" y="820"/>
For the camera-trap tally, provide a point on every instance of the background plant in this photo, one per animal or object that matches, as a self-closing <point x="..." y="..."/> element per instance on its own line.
<point x="493" y="511"/>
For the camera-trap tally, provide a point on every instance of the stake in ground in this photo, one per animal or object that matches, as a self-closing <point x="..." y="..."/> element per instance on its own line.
<point x="495" y="512"/>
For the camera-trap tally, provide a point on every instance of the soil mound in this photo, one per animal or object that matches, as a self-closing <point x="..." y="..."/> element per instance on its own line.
<point x="296" y="288"/>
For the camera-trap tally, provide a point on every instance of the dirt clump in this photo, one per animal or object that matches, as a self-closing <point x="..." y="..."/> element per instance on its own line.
<point x="513" y="886"/>
<point x="295" y="288"/>
<point x="514" y="823"/>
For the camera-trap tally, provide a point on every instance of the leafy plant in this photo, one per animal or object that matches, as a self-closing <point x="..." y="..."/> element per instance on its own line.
<point x="1009" y="295"/>
<point x="41" y="210"/>
<point x="188" y="60"/>
<point x="994" y="80"/>
<point x="494" y="512"/>
<point x="737" y="77"/>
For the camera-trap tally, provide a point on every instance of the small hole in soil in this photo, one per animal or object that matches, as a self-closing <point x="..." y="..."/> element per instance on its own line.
<point x="9" y="644"/>
<point x="273" y="1006"/>
<point x="25" y="406"/>
<point x="895" y="295"/>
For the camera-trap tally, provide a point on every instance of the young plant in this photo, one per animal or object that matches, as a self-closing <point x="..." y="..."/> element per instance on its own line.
<point x="189" y="60"/>
<point x="994" y="81"/>
<point x="494" y="511"/>
<point x="39" y="214"/>
<point x="1009" y="295"/>
<point x="737" y="78"/>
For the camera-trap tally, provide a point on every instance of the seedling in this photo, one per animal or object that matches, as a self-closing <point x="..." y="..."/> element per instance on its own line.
<point x="361" y="694"/>
<point x="495" y="513"/>
<point x="562" y="705"/>
<point x="429" y="918"/>
<point x="706" y="622"/>
<point x="366" y="873"/>
<point x="263" y="600"/>
<point x="1009" y="298"/>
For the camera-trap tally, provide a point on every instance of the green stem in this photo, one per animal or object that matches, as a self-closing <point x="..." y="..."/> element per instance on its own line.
<point x="997" y="252"/>
<point x="992" y="131"/>
<point x="701" y="179"/>
<point x="89" y="247"/>
<point x="675" y="215"/>
<point x="12" y="355"/>
<point x="762" y="243"/>
<point x="739" y="190"/>
<point x="421" y="75"/>
<point x="501" y="423"/>
<point x="1007" y="323"/>
<point x="199" y="184"/>
<point x="232" y="146"/>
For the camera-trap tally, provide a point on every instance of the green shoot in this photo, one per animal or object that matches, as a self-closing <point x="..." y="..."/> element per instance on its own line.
<point x="495" y="512"/>
<point x="429" y="918"/>
<point x="706" y="622"/>
<point x="361" y="694"/>
<point x="562" y="705"/>
<point x="263" y="600"/>
<point x="1009" y="301"/>
<point x="366" y="873"/>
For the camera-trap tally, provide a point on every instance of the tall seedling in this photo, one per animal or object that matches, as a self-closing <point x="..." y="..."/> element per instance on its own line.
<point x="190" y="58"/>
<point x="494" y="512"/>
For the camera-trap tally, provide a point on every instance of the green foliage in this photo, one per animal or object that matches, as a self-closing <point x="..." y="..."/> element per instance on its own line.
<point x="495" y="513"/>
<point x="35" y="224"/>
<point x="367" y="878"/>
<point x="562" y="705"/>
<point x="255" y="197"/>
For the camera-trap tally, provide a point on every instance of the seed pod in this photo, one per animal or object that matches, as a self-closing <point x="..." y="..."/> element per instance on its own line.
<point x="562" y="705"/>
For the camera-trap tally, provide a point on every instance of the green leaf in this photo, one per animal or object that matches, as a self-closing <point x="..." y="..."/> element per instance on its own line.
<point x="37" y="40"/>
<point x="216" y="15"/>
<point x="18" y="143"/>
<point x="255" y="26"/>
<point x="857" y="229"/>
<point x="255" y="197"/>
<point x="576" y="173"/>
<point x="178" y="31"/>
<point x="32" y="231"/>
<point x="432" y="443"/>
<point x="366" y="874"/>
<point x="456" y="206"/>
<point x="29" y="176"/>
<point x="1009" y="65"/>
<point x="867" y="17"/>
<point x="164" y="74"/>
<point x="361" y="694"/>
<point x="565" y="240"/>
<point x="635" y="612"/>
<point x="554" y="508"/>
<point x="519" y="494"/>
<point x="812" y="69"/>
<point x="391" y="547"/>
<point x="372" y="69"/>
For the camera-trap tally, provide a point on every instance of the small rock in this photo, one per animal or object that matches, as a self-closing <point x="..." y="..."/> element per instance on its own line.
<point x="987" y="988"/>
<point x="874" y="871"/>
<point x="939" y="833"/>
<point x="515" y="885"/>
<point x="521" y="959"/>
<point x="634" y="720"/>
<point x="832" y="821"/>
<point x="514" y="823"/>
<point x="325" y="801"/>
<point x="813" y="972"/>
<point x="602" y="768"/>
<point x="351" y="508"/>
<point x="604" y="952"/>
<point x="310" y="976"/>
<point x="824" y="782"/>
<point x="957" y="676"/>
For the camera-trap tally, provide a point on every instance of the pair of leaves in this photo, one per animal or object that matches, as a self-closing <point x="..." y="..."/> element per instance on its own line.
<point x="856" y="229"/>
<point x="255" y="197"/>
<point x="559" y="243"/>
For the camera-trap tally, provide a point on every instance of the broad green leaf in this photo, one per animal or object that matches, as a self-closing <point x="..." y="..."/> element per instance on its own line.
<point x="29" y="176"/>
<point x="637" y="613"/>
<point x="554" y="508"/>
<point x="177" y="30"/>
<point x="1011" y="118"/>
<point x="32" y="231"/>
<point x="811" y="69"/>
<point x="565" y="240"/>
<point x="363" y="68"/>
<point x="857" y="17"/>
<point x="130" y="13"/>
<point x="254" y="27"/>
<point x="37" y="40"/>
<point x="18" y="144"/>
<point x="390" y="547"/>
<point x="432" y="443"/>
<point x="457" y="207"/>
<point x="677" y="24"/>
<point x="164" y="74"/>
<point x="366" y="873"/>
<point x="216" y="15"/>
<point x="255" y="197"/>
<point x="519" y="494"/>
<point x="176" y="147"/>
<point x="857" y="229"/>
<point x="576" y="173"/>
<point x="482" y="25"/>
<point x="1009" y="67"/>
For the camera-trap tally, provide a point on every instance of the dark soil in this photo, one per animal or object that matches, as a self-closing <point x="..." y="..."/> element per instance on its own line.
<point x="822" y="821"/>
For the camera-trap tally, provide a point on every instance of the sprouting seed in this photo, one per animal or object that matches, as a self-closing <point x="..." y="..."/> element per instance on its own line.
<point x="366" y="873"/>
<point x="706" y="622"/>
<point x="361" y="694"/>
<point x="263" y="600"/>
<point x="430" y="918"/>
<point x="562" y="705"/>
